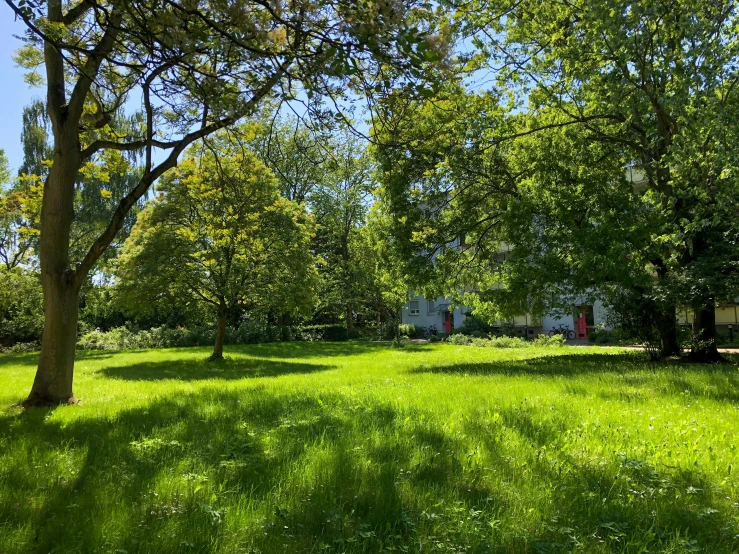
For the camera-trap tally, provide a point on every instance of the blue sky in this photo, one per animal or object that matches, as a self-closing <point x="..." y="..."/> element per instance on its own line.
<point x="14" y="93"/>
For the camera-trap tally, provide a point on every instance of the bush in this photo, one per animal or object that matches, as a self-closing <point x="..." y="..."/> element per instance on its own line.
<point x="22" y="347"/>
<point x="387" y="330"/>
<point x="411" y="331"/>
<point x="21" y="307"/>
<point x="459" y="339"/>
<point x="125" y="338"/>
<point x="505" y="341"/>
<point x="723" y="338"/>
<point x="474" y="327"/>
<point x="636" y="315"/>
<point x="323" y="332"/>
<point x="249" y="332"/>
<point x="544" y="340"/>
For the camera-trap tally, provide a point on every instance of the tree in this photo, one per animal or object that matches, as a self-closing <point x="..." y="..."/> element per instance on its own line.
<point x="525" y="224"/>
<point x="197" y="68"/>
<point x="340" y="204"/>
<point x="4" y="169"/>
<point x="219" y="234"/>
<point x="658" y="79"/>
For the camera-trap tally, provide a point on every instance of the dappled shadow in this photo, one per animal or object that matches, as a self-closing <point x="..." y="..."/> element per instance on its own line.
<point x="569" y="365"/>
<point x="256" y="470"/>
<point x="286" y="350"/>
<point x="194" y="369"/>
<point x="30" y="359"/>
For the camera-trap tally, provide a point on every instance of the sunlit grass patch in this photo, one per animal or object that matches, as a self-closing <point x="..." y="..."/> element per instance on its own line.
<point x="363" y="448"/>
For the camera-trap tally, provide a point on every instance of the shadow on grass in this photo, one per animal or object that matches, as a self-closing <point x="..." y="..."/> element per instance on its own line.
<point x="286" y="350"/>
<point x="260" y="471"/>
<point x="27" y="359"/>
<point x="194" y="369"/>
<point x="571" y="365"/>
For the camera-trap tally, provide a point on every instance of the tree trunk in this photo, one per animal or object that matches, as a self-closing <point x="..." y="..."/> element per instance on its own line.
<point x="704" y="335"/>
<point x="53" y="382"/>
<point x="669" y="343"/>
<point x="349" y="318"/>
<point x="220" y="333"/>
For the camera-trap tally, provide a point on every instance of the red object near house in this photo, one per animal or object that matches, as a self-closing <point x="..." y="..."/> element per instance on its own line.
<point x="582" y="326"/>
<point x="447" y="322"/>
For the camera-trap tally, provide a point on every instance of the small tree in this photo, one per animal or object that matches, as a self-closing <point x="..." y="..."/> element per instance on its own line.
<point x="221" y="235"/>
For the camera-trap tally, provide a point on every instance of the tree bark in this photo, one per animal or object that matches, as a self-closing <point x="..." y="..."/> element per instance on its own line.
<point x="669" y="343"/>
<point x="704" y="348"/>
<point x="53" y="382"/>
<point x="349" y="318"/>
<point x="220" y="333"/>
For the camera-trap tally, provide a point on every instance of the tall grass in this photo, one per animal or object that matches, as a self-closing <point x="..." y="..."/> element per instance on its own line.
<point x="358" y="447"/>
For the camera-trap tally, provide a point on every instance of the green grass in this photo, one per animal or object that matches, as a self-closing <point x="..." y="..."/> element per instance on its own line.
<point x="359" y="447"/>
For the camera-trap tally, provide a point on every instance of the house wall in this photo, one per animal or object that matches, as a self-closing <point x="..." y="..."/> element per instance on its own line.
<point x="725" y="316"/>
<point x="426" y="319"/>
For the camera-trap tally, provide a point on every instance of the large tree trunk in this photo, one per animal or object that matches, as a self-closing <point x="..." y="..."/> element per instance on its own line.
<point x="704" y="335"/>
<point x="53" y="382"/>
<point x="220" y="333"/>
<point x="669" y="343"/>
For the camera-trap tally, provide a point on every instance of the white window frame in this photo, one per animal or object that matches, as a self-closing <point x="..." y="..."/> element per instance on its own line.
<point x="430" y="307"/>
<point x="411" y="311"/>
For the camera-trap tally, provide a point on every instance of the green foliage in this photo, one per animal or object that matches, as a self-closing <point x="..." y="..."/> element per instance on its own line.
<point x="364" y="448"/>
<point x="331" y="332"/>
<point x="545" y="340"/>
<point x="388" y="330"/>
<point x="409" y="330"/>
<point x="4" y="170"/>
<point x="459" y="339"/>
<point x="607" y="336"/>
<point x="127" y="337"/>
<point x="219" y="236"/>
<point x="541" y="341"/>
<point x="475" y="327"/>
<point x="637" y="317"/>
<point x="21" y="307"/>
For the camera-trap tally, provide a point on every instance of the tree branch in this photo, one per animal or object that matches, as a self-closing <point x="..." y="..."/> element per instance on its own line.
<point x="128" y="201"/>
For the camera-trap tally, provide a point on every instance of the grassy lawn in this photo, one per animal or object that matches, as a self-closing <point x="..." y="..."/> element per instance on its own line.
<point x="355" y="447"/>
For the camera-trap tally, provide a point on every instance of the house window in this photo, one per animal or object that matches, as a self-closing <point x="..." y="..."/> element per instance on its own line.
<point x="431" y="309"/>
<point x="413" y="307"/>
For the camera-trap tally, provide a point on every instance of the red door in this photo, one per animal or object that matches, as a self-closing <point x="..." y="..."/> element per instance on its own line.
<point x="582" y="326"/>
<point x="447" y="322"/>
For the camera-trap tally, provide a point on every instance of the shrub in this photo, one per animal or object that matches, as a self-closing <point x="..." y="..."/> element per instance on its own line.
<point x="475" y="327"/>
<point x="410" y="330"/>
<point x="544" y="340"/>
<point x="387" y="330"/>
<point x="508" y="342"/>
<point x="505" y="341"/>
<point x="459" y="339"/>
<point x="21" y="307"/>
<point x="22" y="347"/>
<point x="329" y="332"/>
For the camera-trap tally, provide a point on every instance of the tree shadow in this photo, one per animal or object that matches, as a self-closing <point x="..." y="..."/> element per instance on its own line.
<point x="259" y="470"/>
<point x="30" y="359"/>
<point x="288" y="350"/>
<point x="194" y="369"/>
<point x="557" y="364"/>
